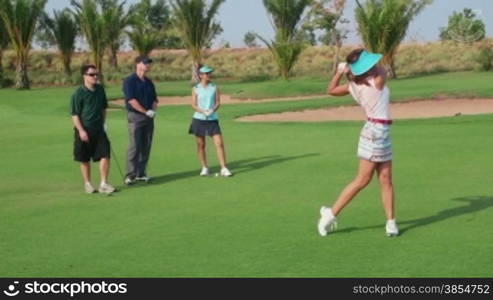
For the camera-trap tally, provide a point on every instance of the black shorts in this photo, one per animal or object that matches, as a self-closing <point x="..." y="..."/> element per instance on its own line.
<point x="202" y="128"/>
<point x="97" y="148"/>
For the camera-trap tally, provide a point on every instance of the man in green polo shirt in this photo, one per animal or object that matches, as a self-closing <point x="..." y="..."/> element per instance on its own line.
<point x="88" y="109"/>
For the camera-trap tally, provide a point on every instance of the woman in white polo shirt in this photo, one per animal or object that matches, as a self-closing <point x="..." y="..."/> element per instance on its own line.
<point x="366" y="83"/>
<point x="206" y="100"/>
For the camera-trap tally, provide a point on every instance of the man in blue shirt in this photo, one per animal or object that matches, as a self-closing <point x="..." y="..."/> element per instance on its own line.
<point x="141" y="102"/>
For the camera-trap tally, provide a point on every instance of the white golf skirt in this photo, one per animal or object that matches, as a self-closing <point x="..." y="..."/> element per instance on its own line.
<point x="375" y="144"/>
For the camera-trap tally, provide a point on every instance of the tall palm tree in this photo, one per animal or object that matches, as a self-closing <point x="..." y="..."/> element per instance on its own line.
<point x="92" y="24"/>
<point x="143" y="39"/>
<point x="286" y="18"/>
<point x="116" y="19"/>
<point x="382" y="25"/>
<point x="4" y="42"/>
<point x="20" y="18"/>
<point x="148" y="26"/>
<point x="62" y="30"/>
<point x="194" y="20"/>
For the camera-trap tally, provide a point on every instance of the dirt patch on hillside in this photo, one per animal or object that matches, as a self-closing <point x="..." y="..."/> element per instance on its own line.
<point x="404" y="110"/>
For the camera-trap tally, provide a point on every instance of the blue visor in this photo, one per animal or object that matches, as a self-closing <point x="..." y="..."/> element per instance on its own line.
<point x="206" y="69"/>
<point x="365" y="62"/>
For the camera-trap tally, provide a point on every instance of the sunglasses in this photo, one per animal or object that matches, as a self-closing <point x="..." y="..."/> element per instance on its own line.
<point x="92" y="74"/>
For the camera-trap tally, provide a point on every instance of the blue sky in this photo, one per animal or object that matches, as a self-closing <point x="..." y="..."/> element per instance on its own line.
<point x="240" y="16"/>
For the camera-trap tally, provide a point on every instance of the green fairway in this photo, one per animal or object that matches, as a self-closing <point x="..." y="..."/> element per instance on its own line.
<point x="464" y="84"/>
<point x="261" y="222"/>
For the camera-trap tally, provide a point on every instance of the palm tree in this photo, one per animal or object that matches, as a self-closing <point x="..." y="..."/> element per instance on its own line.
<point x="149" y="24"/>
<point x="20" y="19"/>
<point x="143" y="39"/>
<point x="4" y="42"/>
<point x="286" y="18"/>
<point x="62" y="30"/>
<point x="194" y="20"/>
<point x="116" y="19"/>
<point x="285" y="54"/>
<point x="382" y="25"/>
<point x="92" y="24"/>
<point x="155" y="15"/>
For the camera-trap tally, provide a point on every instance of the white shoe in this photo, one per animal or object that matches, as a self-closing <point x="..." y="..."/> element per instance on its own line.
<point x="105" y="188"/>
<point x="204" y="172"/>
<point x="327" y="222"/>
<point x="226" y="173"/>
<point x="391" y="228"/>
<point x="145" y="178"/>
<point x="129" y="181"/>
<point x="89" y="188"/>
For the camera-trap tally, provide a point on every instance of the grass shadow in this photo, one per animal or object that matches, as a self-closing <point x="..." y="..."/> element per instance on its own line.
<point x="238" y="167"/>
<point x="473" y="204"/>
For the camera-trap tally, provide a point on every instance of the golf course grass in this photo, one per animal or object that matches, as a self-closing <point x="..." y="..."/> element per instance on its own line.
<point x="261" y="222"/>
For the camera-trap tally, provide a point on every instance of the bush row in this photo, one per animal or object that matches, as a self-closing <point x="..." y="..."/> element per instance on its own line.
<point x="257" y="64"/>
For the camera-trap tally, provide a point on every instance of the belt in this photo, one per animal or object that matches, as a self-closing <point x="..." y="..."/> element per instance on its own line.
<point x="380" y="121"/>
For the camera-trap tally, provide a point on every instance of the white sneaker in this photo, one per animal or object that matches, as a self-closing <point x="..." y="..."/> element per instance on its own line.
<point x="391" y="228"/>
<point x="204" y="172"/>
<point x="327" y="222"/>
<point x="145" y="179"/>
<point x="106" y="189"/>
<point x="129" y="181"/>
<point x="89" y="188"/>
<point x="226" y="173"/>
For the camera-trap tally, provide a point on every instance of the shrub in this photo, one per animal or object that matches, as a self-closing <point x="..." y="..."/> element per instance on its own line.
<point x="245" y="64"/>
<point x="485" y="57"/>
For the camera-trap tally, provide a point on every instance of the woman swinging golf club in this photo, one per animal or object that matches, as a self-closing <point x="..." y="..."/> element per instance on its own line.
<point x="367" y="86"/>
<point x="206" y="100"/>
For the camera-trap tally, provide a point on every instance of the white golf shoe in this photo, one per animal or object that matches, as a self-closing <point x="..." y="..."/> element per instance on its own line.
<point x="391" y="228"/>
<point x="106" y="189"/>
<point x="204" y="172"/>
<point x="226" y="173"/>
<point x="89" y="188"/>
<point x="327" y="222"/>
<point x="129" y="181"/>
<point x="144" y="178"/>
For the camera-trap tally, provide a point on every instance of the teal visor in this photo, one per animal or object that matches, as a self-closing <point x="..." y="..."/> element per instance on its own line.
<point x="365" y="62"/>
<point x="206" y="69"/>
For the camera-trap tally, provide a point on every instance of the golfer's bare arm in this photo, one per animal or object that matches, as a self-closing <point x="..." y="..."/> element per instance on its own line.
<point x="78" y="124"/>
<point x="335" y="89"/>
<point x="380" y="78"/>
<point x="195" y="101"/>
<point x="218" y="100"/>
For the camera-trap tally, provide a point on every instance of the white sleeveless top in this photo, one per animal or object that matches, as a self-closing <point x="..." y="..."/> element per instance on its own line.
<point x="375" y="102"/>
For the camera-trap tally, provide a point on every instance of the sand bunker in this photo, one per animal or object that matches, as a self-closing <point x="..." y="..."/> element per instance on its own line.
<point x="404" y="110"/>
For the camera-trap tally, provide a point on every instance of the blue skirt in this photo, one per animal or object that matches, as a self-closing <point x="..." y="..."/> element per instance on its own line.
<point x="202" y="128"/>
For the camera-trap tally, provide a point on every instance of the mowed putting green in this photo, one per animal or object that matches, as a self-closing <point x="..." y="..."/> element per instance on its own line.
<point x="261" y="222"/>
